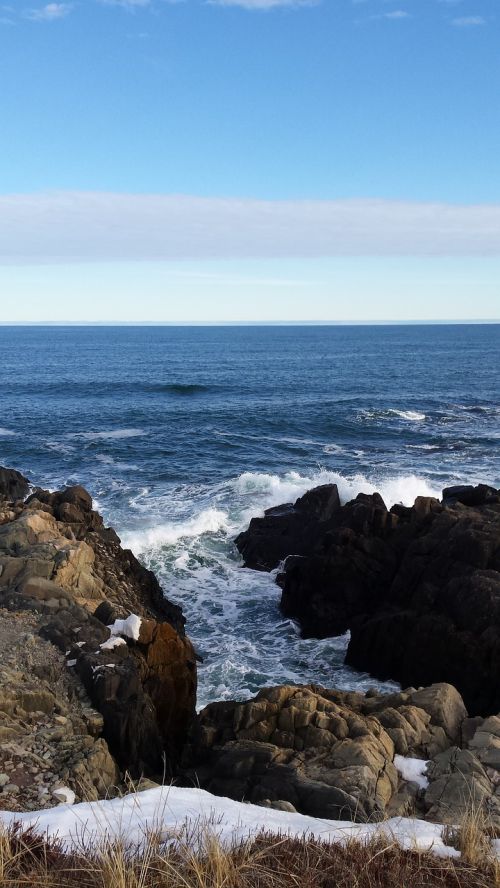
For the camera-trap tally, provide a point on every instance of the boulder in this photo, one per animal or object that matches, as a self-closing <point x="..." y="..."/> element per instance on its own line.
<point x="287" y="529"/>
<point x="458" y="783"/>
<point x="13" y="485"/>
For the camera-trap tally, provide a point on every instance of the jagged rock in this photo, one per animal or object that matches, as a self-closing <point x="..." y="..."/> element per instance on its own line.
<point x="445" y="707"/>
<point x="418" y="588"/>
<point x="58" y="565"/>
<point x="144" y="689"/>
<point x="288" y="529"/>
<point x="459" y="783"/>
<point x="13" y="485"/>
<point x="294" y="745"/>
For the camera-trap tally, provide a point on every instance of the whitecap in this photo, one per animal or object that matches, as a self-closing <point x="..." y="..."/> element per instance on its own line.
<point x="411" y="415"/>
<point x="208" y="521"/>
<point x="7" y="433"/>
<point x="111" y="435"/>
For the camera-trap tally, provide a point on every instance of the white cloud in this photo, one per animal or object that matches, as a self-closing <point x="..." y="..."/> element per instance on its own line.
<point x="469" y="21"/>
<point x="263" y="4"/>
<point x="49" y="12"/>
<point x="127" y="4"/>
<point x="97" y="226"/>
<point x="396" y="14"/>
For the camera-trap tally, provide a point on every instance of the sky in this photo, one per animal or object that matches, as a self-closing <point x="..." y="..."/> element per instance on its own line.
<point x="244" y="160"/>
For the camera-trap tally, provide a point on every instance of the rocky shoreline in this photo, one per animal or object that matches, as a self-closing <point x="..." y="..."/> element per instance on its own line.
<point x="64" y="580"/>
<point x="99" y="678"/>
<point x="418" y="588"/>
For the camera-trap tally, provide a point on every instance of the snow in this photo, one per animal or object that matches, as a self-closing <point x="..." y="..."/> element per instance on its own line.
<point x="129" y="628"/>
<point x="171" y="809"/>
<point x="412" y="769"/>
<point x="65" y="795"/>
<point x="112" y="643"/>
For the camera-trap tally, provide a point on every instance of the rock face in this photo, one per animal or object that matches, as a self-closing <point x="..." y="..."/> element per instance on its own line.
<point x="343" y="755"/>
<point x="13" y="485"/>
<point x="419" y="587"/>
<point x="288" y="529"/>
<point x="61" y="568"/>
<point x="326" y="753"/>
<point x="49" y="731"/>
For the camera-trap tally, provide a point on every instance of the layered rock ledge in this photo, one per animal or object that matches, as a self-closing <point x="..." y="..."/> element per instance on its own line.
<point x="99" y="679"/>
<point x="351" y="756"/>
<point x="418" y="588"/>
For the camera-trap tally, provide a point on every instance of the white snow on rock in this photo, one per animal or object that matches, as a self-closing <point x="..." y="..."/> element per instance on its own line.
<point x="112" y="643"/>
<point x="64" y="794"/>
<point x="128" y="628"/>
<point x="171" y="809"/>
<point x="412" y="769"/>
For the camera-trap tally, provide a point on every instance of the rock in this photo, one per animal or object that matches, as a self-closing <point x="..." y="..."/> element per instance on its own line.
<point x="418" y="588"/>
<point x="295" y="745"/>
<point x="145" y="690"/>
<point x="287" y="530"/>
<point x="457" y="783"/>
<point x="128" y="708"/>
<point x="13" y="485"/>
<point x="278" y="805"/>
<point x="445" y="706"/>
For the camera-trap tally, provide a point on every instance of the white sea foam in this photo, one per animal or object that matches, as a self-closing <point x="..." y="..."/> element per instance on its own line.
<point x="7" y="433"/>
<point x="208" y="521"/>
<point x="411" y="415"/>
<point x="111" y="435"/>
<point x="233" y="615"/>
<point x="273" y="490"/>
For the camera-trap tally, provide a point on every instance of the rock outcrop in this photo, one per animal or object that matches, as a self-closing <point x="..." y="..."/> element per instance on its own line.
<point x="419" y="587"/>
<point x="346" y="755"/>
<point x="327" y="753"/>
<point x="65" y="574"/>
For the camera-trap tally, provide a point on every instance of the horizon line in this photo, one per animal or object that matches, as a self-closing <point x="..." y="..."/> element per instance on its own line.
<point x="258" y="323"/>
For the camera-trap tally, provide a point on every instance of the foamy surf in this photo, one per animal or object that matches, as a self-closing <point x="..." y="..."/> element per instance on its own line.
<point x="233" y="614"/>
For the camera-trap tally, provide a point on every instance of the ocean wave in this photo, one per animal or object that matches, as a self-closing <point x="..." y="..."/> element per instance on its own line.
<point x="7" y="433"/>
<point x="408" y="415"/>
<point x="273" y="490"/>
<point x="181" y="388"/>
<point x="108" y="435"/>
<point x="208" y="521"/>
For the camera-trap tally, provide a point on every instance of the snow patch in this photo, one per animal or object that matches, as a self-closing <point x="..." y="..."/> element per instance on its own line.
<point x="173" y="808"/>
<point x="129" y="628"/>
<point x="412" y="769"/>
<point x="112" y="643"/>
<point x="65" y="795"/>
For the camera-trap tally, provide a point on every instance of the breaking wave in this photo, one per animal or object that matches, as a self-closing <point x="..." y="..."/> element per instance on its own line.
<point x="233" y="614"/>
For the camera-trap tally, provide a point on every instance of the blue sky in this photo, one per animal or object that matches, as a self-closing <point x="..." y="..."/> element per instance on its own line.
<point x="289" y="121"/>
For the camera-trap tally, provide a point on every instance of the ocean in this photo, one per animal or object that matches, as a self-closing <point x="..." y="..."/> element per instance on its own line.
<point x="182" y="434"/>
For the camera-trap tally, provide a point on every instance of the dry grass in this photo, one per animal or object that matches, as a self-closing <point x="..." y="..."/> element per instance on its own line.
<point x="265" y="862"/>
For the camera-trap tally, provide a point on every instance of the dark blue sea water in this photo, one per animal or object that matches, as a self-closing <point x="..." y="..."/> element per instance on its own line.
<point x="182" y="434"/>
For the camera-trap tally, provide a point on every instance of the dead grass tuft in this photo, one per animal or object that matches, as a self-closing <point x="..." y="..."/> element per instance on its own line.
<point x="200" y="861"/>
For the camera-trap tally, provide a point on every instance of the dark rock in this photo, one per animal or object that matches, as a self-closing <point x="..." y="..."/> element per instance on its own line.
<point x="287" y="529"/>
<point x="13" y="485"/>
<point x="469" y="495"/>
<point x="418" y="588"/>
<point x="145" y="689"/>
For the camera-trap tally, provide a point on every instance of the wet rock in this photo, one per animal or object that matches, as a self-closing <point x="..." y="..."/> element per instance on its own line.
<point x="13" y="485"/>
<point x="418" y="588"/>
